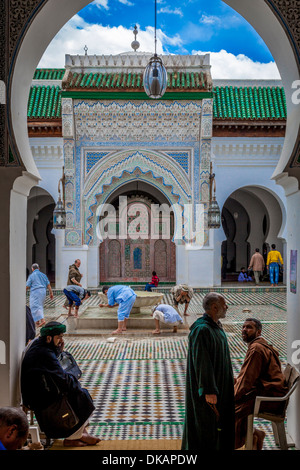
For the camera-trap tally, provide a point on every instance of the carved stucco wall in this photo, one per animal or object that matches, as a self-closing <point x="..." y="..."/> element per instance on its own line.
<point x="110" y="143"/>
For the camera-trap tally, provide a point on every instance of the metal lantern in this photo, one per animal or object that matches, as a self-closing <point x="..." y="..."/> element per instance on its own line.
<point x="155" y="78"/>
<point x="213" y="214"/>
<point x="59" y="213"/>
<point x="155" y="74"/>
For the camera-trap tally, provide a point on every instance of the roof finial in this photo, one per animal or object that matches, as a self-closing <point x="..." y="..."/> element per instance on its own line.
<point x="135" y="44"/>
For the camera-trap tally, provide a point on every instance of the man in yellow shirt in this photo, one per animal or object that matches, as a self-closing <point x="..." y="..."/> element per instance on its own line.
<point x="274" y="257"/>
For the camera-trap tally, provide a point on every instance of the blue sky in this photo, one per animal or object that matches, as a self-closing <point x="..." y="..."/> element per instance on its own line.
<point x="183" y="27"/>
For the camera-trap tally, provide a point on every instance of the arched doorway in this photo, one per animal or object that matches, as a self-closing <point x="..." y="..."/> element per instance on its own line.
<point x="252" y="218"/>
<point x="148" y="244"/>
<point x="40" y="240"/>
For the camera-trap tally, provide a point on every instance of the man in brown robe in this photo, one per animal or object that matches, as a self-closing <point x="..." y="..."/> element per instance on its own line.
<point x="260" y="375"/>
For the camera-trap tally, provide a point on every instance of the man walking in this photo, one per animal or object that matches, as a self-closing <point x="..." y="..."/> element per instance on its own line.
<point x="38" y="283"/>
<point x="273" y="260"/>
<point x="209" y="414"/>
<point x="257" y="264"/>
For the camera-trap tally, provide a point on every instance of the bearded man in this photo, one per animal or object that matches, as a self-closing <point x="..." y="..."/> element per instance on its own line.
<point x="209" y="409"/>
<point x="260" y="375"/>
<point x="43" y="380"/>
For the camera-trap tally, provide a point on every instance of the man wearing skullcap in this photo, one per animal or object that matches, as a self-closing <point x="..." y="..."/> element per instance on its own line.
<point x="182" y="294"/>
<point x="43" y="379"/>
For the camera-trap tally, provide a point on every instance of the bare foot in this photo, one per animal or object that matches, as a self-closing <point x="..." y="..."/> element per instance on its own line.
<point x="89" y="440"/>
<point x="74" y="443"/>
<point x="156" y="332"/>
<point x="258" y="439"/>
<point x="174" y="329"/>
<point x="117" y="332"/>
<point x="187" y="315"/>
<point x="40" y="323"/>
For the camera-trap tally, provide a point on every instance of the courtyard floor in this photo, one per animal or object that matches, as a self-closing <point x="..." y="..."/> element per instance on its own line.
<point x="137" y="380"/>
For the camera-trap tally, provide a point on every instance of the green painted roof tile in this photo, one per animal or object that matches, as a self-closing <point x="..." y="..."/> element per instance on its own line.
<point x="49" y="74"/>
<point x="230" y="102"/>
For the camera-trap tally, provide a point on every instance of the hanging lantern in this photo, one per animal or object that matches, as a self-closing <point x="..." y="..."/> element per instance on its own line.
<point x="155" y="78"/>
<point x="155" y="74"/>
<point x="213" y="213"/>
<point x="59" y="213"/>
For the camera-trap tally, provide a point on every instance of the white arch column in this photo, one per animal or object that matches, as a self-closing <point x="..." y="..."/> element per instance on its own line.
<point x="13" y="281"/>
<point x="293" y="299"/>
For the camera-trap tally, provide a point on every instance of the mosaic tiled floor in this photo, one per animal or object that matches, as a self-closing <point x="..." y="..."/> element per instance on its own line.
<point x="138" y="383"/>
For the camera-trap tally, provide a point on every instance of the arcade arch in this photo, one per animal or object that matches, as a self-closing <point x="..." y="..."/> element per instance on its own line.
<point x="252" y="217"/>
<point x="40" y="240"/>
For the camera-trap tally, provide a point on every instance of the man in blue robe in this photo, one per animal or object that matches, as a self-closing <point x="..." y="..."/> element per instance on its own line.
<point x="209" y="414"/>
<point x="38" y="283"/>
<point x="123" y="296"/>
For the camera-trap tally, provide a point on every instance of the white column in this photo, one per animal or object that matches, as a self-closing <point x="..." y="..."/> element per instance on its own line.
<point x="60" y="279"/>
<point x="13" y="313"/>
<point x="93" y="263"/>
<point x="290" y="185"/>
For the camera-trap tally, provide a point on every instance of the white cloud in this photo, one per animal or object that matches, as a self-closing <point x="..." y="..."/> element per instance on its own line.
<point x="99" y="39"/>
<point x="168" y="10"/>
<point x="101" y="4"/>
<point x="126" y="2"/>
<point x="210" y="20"/>
<point x="225" y="65"/>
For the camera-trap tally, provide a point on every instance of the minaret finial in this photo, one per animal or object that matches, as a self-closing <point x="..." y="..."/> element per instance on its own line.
<point x="135" y="44"/>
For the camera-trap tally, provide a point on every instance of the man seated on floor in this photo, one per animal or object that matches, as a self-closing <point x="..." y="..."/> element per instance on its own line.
<point x="13" y="428"/>
<point x="260" y="375"/>
<point x="43" y="380"/>
<point x="243" y="276"/>
<point x="75" y="294"/>
<point x="166" y="314"/>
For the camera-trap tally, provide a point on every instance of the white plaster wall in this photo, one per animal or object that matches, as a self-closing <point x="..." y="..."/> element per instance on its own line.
<point x="48" y="156"/>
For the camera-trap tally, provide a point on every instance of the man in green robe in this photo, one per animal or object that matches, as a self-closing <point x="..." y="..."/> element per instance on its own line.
<point x="209" y="415"/>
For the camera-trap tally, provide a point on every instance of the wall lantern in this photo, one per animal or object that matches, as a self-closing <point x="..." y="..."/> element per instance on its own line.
<point x="155" y="75"/>
<point x="213" y="214"/>
<point x="59" y="213"/>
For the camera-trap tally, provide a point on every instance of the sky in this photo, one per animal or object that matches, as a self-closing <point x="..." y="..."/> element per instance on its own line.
<point x="183" y="27"/>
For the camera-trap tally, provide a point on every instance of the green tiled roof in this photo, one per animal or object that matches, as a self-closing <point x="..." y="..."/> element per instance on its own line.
<point x="230" y="103"/>
<point x="44" y="102"/>
<point x="251" y="103"/>
<point x="49" y="74"/>
<point x="132" y="81"/>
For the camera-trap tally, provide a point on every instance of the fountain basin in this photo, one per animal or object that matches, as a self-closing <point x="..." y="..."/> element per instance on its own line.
<point x="143" y="299"/>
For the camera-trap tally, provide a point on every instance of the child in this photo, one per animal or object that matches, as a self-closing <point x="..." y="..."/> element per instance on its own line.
<point x="243" y="276"/>
<point x="153" y="283"/>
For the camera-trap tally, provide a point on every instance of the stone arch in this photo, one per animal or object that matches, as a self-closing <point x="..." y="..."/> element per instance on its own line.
<point x="252" y="217"/>
<point x="102" y="192"/>
<point x="281" y="36"/>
